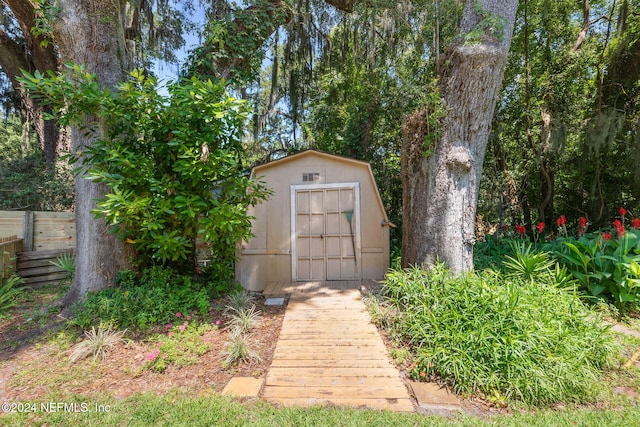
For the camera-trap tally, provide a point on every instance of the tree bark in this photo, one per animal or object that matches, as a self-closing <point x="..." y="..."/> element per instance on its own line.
<point x="90" y="33"/>
<point x="441" y="183"/>
<point x="32" y="53"/>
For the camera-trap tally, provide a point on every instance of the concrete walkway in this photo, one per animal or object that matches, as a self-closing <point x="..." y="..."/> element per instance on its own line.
<point x="329" y="352"/>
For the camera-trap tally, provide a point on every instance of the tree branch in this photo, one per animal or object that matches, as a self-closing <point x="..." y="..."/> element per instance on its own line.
<point x="343" y="5"/>
<point x="586" y="10"/>
<point x="12" y="58"/>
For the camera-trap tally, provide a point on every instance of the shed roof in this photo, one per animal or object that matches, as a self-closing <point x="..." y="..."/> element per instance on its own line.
<point x="327" y="156"/>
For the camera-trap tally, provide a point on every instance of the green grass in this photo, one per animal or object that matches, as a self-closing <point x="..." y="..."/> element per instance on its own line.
<point x="512" y="340"/>
<point x="180" y="409"/>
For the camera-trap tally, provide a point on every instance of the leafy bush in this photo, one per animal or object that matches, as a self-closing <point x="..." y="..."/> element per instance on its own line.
<point x="180" y="345"/>
<point x="173" y="165"/>
<point x="488" y="334"/>
<point x="153" y="298"/>
<point x="9" y="290"/>
<point x="606" y="268"/>
<point x="26" y="181"/>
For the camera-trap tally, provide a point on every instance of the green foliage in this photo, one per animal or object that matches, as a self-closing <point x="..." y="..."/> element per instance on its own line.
<point x="45" y="13"/>
<point x="10" y="289"/>
<point x="234" y="43"/>
<point x="66" y="263"/>
<point x="490" y="26"/>
<point x="527" y="264"/>
<point x="239" y="300"/>
<point x="608" y="270"/>
<point x="141" y="302"/>
<point x="243" y="320"/>
<point x="238" y="349"/>
<point x="26" y="181"/>
<point x="529" y="342"/>
<point x="181" y="345"/>
<point x="173" y="165"/>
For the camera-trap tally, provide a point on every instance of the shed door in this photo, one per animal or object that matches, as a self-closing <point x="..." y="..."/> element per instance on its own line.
<point x="325" y="232"/>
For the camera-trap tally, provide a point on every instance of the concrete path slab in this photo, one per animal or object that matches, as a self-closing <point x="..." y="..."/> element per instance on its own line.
<point x="435" y="396"/>
<point x="243" y="387"/>
<point x="329" y="352"/>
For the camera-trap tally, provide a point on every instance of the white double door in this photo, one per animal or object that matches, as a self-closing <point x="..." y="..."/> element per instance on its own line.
<point x="325" y="231"/>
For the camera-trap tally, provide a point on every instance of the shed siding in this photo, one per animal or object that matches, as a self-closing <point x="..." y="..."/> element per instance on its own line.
<point x="267" y="257"/>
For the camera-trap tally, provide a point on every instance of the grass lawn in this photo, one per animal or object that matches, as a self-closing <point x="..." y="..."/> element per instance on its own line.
<point x="178" y="409"/>
<point x="117" y="391"/>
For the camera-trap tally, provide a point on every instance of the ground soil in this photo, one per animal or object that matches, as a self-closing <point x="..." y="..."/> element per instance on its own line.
<point x="34" y="358"/>
<point x="34" y="350"/>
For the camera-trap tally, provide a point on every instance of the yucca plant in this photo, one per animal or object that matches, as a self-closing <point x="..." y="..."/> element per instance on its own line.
<point x="9" y="289"/>
<point x="527" y="264"/>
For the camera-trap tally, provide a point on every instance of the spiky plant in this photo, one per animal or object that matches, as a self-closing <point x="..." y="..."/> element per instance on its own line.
<point x="238" y="349"/>
<point x="97" y="343"/>
<point x="244" y="320"/>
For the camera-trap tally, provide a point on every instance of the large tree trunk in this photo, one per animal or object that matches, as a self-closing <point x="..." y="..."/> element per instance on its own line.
<point x="90" y="33"/>
<point x="31" y="52"/>
<point x="441" y="182"/>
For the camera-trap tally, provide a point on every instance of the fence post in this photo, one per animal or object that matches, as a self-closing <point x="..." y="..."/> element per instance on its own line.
<point x="27" y="231"/>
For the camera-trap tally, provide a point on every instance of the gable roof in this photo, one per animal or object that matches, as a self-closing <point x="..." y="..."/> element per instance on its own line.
<point x="327" y="156"/>
<point x="310" y="153"/>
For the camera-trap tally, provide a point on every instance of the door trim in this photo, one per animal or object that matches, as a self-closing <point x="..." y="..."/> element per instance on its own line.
<point x="355" y="186"/>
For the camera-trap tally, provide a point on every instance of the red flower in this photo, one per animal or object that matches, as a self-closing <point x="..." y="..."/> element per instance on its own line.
<point x="622" y="211"/>
<point x="582" y="221"/>
<point x="635" y="223"/>
<point x="540" y="227"/>
<point x="606" y="236"/>
<point x="521" y="229"/>
<point x="561" y="221"/>
<point x="617" y="225"/>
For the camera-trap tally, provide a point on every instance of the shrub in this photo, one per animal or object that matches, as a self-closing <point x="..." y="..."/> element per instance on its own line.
<point x="606" y="268"/>
<point x="154" y="298"/>
<point x="172" y="164"/>
<point x="488" y="334"/>
<point x="180" y="345"/>
<point x="238" y="300"/>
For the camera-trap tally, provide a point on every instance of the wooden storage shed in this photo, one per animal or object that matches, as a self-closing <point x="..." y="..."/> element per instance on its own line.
<point x="325" y="221"/>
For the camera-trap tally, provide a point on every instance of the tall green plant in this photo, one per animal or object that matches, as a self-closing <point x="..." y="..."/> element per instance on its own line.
<point x="606" y="269"/>
<point x="172" y="164"/>
<point x="484" y="333"/>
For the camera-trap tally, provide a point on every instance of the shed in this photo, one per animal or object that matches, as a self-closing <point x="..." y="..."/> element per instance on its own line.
<point x="325" y="221"/>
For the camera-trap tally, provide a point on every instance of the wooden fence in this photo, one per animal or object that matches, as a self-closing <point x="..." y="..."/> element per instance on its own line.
<point x="44" y="236"/>
<point x="36" y="268"/>
<point x="9" y="248"/>
<point x="40" y="231"/>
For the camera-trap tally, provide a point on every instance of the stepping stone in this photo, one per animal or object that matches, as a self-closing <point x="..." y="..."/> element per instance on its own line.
<point x="243" y="387"/>
<point x="433" y="396"/>
<point x="274" y="301"/>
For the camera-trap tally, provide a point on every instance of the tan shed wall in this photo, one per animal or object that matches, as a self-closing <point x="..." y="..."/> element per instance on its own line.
<point x="267" y="257"/>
